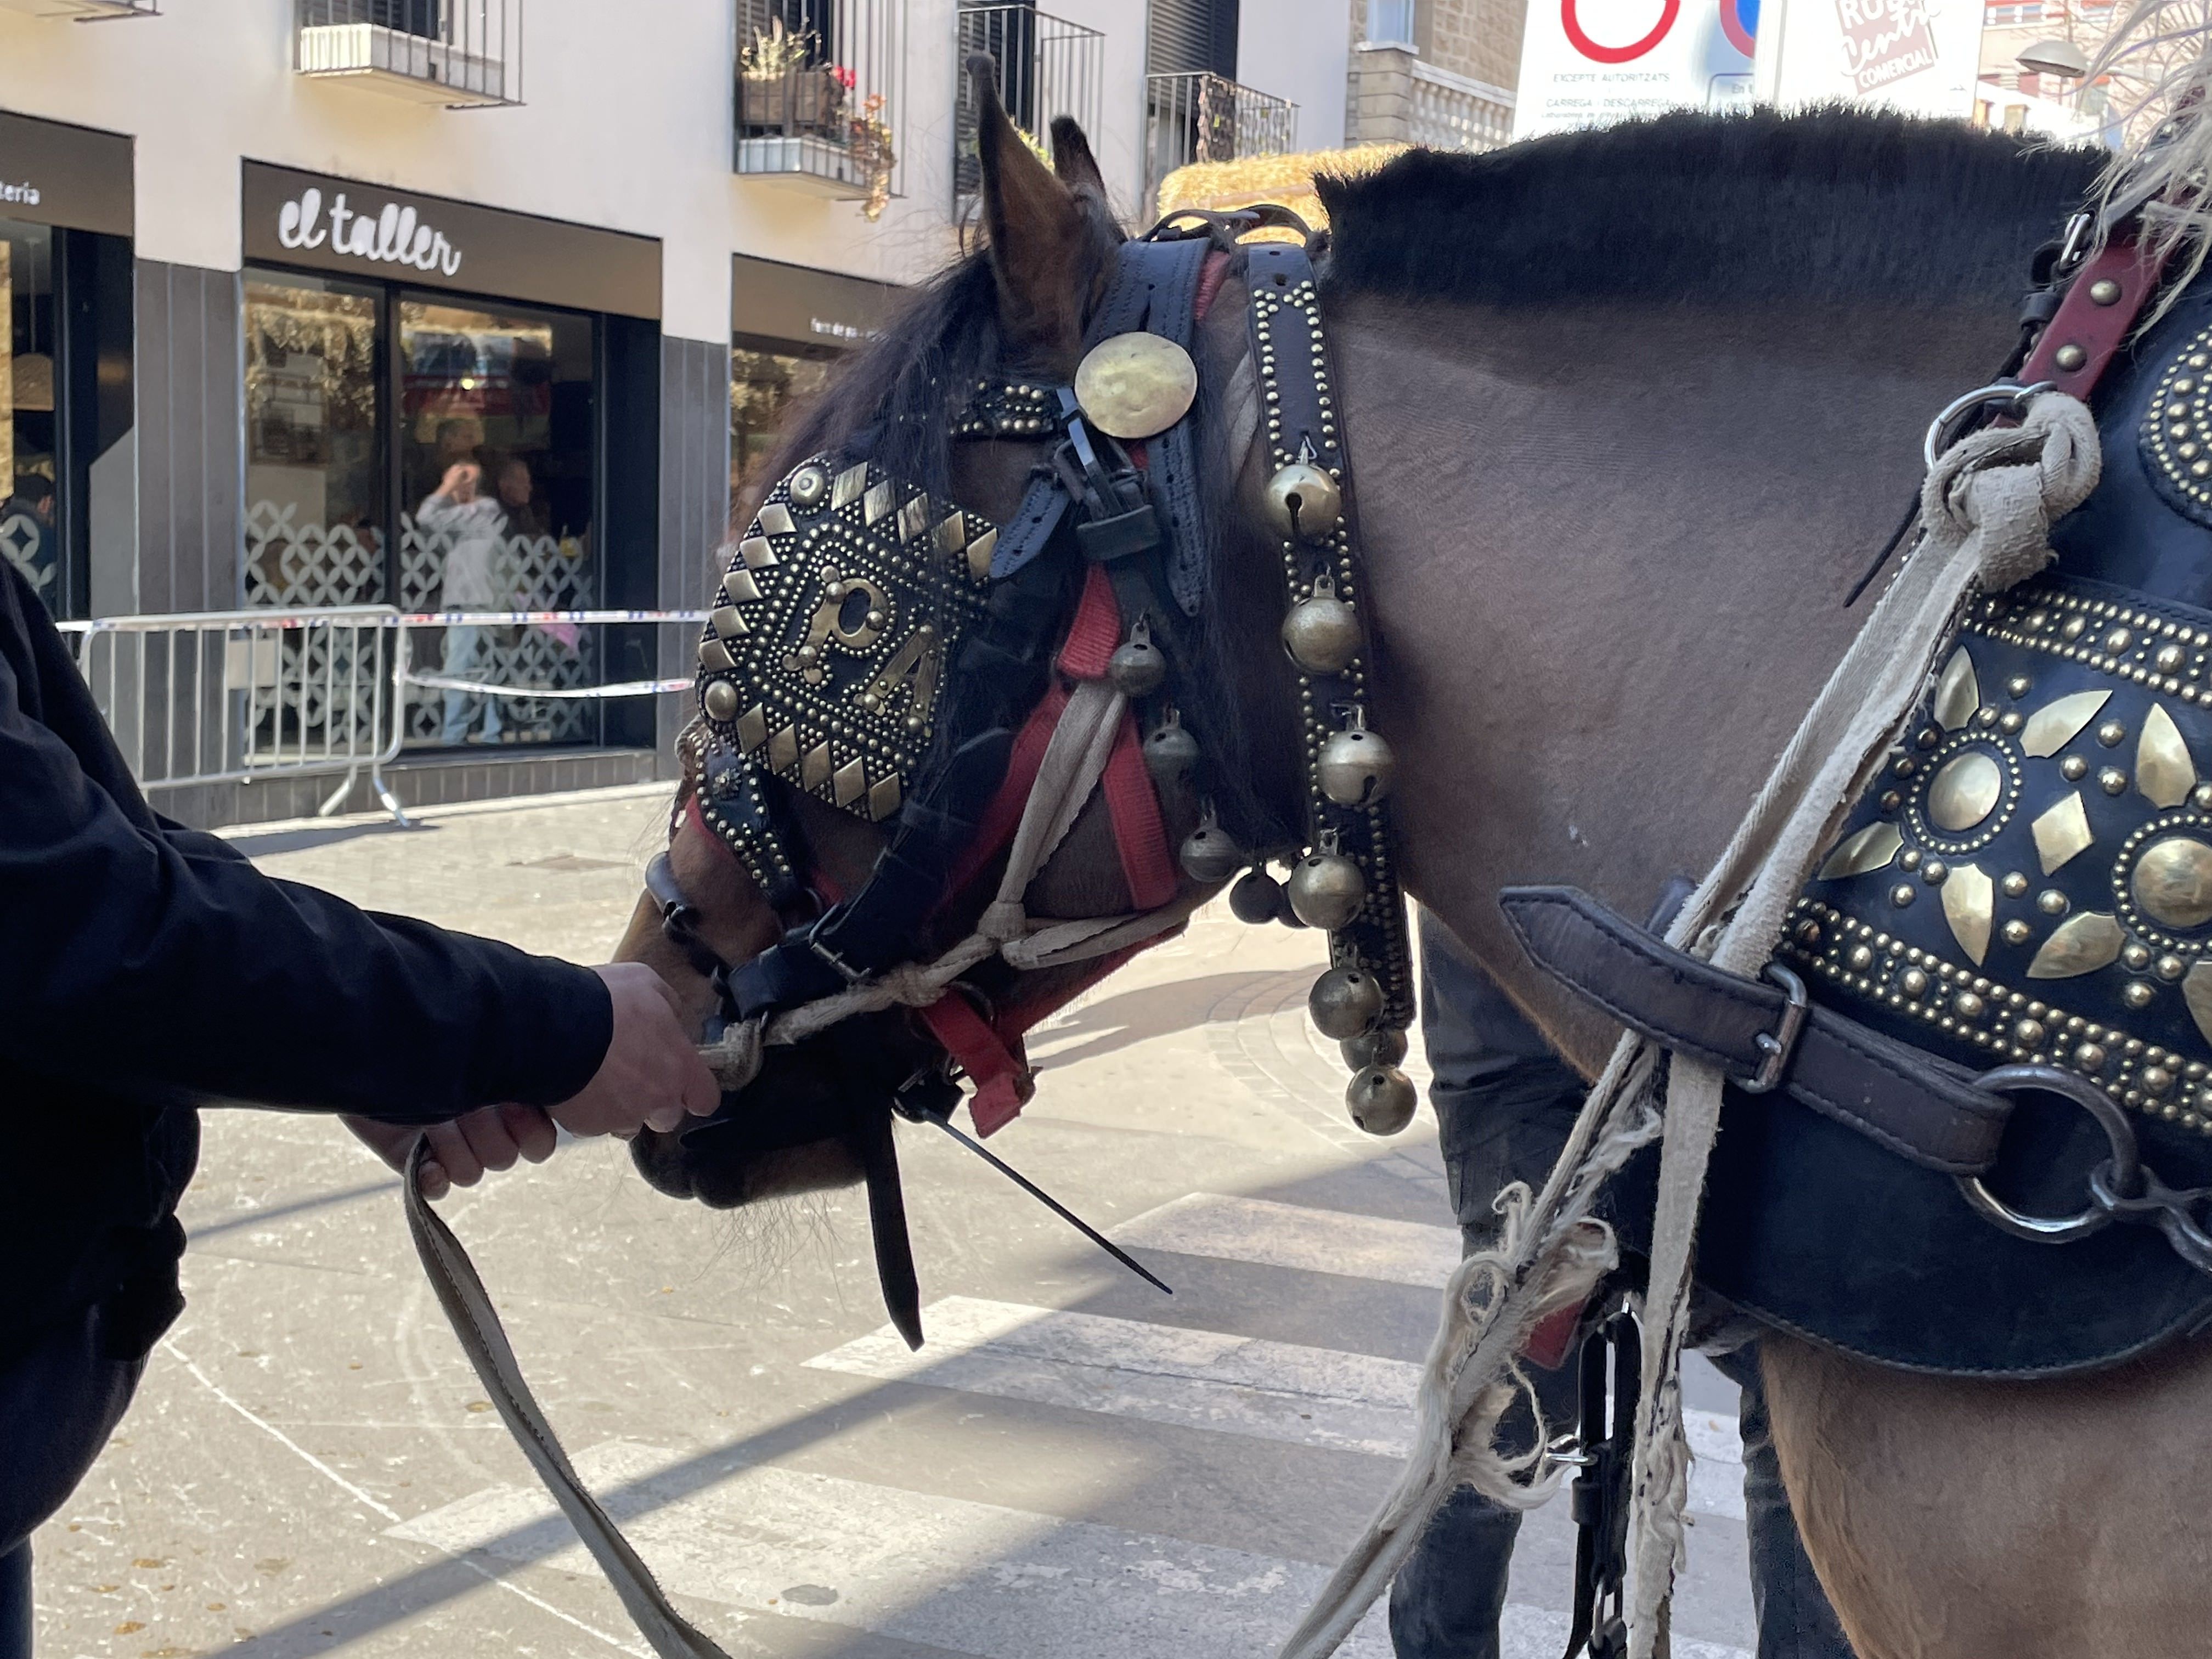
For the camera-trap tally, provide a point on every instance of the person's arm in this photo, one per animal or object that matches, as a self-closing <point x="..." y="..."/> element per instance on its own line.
<point x="130" y="954"/>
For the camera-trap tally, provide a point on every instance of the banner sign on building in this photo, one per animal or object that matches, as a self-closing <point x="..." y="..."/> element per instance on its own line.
<point x="1587" y="63"/>
<point x="1919" y="56"/>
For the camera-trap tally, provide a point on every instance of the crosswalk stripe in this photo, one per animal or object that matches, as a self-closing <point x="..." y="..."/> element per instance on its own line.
<point x="1153" y="1373"/>
<point x="973" y="1578"/>
<point x="1275" y="1234"/>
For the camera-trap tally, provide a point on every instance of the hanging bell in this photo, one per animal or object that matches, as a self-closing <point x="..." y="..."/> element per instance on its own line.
<point x="1304" y="503"/>
<point x="1344" y="1002"/>
<point x="1355" y="767"/>
<point x="1257" y="897"/>
<point x="1322" y="633"/>
<point x="1326" y="888"/>
<point x="1381" y="1099"/>
<point x="1209" y="854"/>
<point x="1383" y="1046"/>
<point x="1171" y="753"/>
<point x="1137" y="667"/>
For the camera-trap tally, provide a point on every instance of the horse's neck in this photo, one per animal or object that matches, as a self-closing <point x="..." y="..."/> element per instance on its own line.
<point x="1607" y="558"/>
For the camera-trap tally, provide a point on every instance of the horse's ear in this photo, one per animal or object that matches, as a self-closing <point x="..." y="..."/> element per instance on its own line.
<point x="1071" y="158"/>
<point x="1035" y="229"/>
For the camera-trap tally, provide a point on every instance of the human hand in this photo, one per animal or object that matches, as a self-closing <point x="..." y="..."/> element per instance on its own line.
<point x="652" y="1075"/>
<point x="459" y="483"/>
<point x="489" y="1137"/>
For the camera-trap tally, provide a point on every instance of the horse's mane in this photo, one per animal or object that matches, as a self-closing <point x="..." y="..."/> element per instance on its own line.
<point x="1830" y="205"/>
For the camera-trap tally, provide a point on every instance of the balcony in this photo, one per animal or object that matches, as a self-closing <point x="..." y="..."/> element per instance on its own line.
<point x="85" y="11"/>
<point x="1208" y="117"/>
<point x="821" y="92"/>
<point x="465" y="54"/>
<point x="1398" y="99"/>
<point x="1047" y="67"/>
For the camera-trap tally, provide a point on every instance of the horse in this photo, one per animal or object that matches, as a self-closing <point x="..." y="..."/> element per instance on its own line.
<point x="1628" y="413"/>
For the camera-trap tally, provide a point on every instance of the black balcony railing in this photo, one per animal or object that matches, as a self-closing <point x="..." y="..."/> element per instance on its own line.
<point x="463" y="53"/>
<point x="821" y="93"/>
<point x="1047" y="67"/>
<point x="1209" y="117"/>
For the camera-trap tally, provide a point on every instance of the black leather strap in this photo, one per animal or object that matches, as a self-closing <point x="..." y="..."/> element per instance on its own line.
<point x="1916" y="1106"/>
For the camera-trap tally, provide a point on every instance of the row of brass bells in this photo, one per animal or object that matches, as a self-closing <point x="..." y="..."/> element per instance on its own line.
<point x="1210" y="853"/>
<point x="1344" y="1001"/>
<point x="1258" y="898"/>
<point x="1326" y="889"/>
<point x="1138" y="667"/>
<point x="1171" y="753"/>
<point x="1322" y="633"/>
<point x="1382" y="1098"/>
<point x="1356" y="766"/>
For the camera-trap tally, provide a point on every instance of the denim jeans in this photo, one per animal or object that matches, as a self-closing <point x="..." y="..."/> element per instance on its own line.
<point x="1505" y="1104"/>
<point x="469" y="657"/>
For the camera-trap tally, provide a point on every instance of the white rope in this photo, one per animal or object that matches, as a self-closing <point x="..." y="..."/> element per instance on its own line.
<point x="1986" y="510"/>
<point x="1074" y="760"/>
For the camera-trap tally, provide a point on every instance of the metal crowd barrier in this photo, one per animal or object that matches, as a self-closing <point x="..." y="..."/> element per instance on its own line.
<point x="237" y="697"/>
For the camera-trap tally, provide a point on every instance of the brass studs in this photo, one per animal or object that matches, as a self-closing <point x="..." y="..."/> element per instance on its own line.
<point x="2090" y="1057"/>
<point x="2137" y="994"/>
<point x="2169" y="658"/>
<point x="809" y="487"/>
<point x="2019" y="686"/>
<point x="1934" y="871"/>
<point x="2104" y="292"/>
<point x="2169" y="968"/>
<point x="2112" y="733"/>
<point x="720" y="700"/>
<point x="2074" y="769"/>
<point x="2113" y="781"/>
<point x="2029" y="1033"/>
<point x="2155" y="1079"/>
<point x="2118" y="640"/>
<point x="2017" y="931"/>
<point x="2052" y="902"/>
<point x="1967" y="1005"/>
<point x="1914" y="982"/>
<point x="1902" y="895"/>
<point x="2069" y="357"/>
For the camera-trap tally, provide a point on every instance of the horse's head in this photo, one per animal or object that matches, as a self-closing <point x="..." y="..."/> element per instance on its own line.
<point x="937" y="665"/>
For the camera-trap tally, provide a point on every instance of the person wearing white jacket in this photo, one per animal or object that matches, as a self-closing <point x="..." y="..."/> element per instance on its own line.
<point x="475" y="524"/>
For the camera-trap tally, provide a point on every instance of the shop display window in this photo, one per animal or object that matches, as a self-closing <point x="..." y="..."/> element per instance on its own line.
<point x="31" y="532"/>
<point x="765" y="381"/>
<point x="438" y="455"/>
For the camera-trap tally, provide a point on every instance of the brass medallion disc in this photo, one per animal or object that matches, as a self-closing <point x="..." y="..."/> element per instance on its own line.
<point x="2172" y="882"/>
<point x="1964" y="792"/>
<point x="1136" y="385"/>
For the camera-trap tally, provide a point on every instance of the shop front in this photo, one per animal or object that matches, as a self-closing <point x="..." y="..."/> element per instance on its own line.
<point x="789" y="325"/>
<point x="451" y="408"/>
<point x="65" y="369"/>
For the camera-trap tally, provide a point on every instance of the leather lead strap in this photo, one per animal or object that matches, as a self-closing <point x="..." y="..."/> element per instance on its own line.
<point x="476" y="1325"/>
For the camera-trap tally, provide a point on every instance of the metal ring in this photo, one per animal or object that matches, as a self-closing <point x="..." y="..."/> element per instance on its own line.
<point x="2127" y="1162"/>
<point x="1941" y="433"/>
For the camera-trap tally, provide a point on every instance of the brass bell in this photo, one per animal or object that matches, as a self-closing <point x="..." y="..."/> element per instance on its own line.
<point x="1304" y="503"/>
<point x="720" y="700"/>
<point x="1257" y="897"/>
<point x="1137" y="667"/>
<point x="1171" y="753"/>
<point x="1381" y="1099"/>
<point x="1344" y="1002"/>
<point x="1326" y="889"/>
<point x="1356" y="766"/>
<point x="809" y="487"/>
<point x="1383" y="1046"/>
<point x="1322" y="633"/>
<point x="1209" y="854"/>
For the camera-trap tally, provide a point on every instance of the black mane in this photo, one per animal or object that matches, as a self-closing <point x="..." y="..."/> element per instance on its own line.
<point x="1830" y="205"/>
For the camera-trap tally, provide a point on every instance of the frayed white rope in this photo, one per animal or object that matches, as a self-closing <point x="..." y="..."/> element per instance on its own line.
<point x="1986" y="508"/>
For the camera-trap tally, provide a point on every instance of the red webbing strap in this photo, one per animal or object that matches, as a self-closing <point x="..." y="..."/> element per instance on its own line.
<point x="1139" y="836"/>
<point x="996" y="830"/>
<point x="1095" y="632"/>
<point x="2125" y="274"/>
<point x="1209" y="284"/>
<point x="994" y="1061"/>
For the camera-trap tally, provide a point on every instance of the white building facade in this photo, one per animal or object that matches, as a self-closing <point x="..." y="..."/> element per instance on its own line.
<point x="487" y="304"/>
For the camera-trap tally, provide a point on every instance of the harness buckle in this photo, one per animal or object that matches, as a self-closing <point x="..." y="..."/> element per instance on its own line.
<point x="1777" y="1047"/>
<point x="843" y="968"/>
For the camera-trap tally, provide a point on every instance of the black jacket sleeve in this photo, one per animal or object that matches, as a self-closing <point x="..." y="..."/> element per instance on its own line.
<point x="132" y="952"/>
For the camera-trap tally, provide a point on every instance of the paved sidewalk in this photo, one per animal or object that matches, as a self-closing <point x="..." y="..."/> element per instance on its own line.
<point x="1076" y="1465"/>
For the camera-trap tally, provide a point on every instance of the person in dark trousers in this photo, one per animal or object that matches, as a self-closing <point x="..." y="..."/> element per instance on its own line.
<point x="147" y="970"/>
<point x="1505" y="1104"/>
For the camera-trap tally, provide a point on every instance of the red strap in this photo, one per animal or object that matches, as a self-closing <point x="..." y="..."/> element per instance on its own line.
<point x="1095" y="632"/>
<point x="1134" y="807"/>
<point x="1004" y="815"/>
<point x="2126" y="274"/>
<point x="994" y="1063"/>
<point x="1209" y="283"/>
<point x="1547" y="1343"/>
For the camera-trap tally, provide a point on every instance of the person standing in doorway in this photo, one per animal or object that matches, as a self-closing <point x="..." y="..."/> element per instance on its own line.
<point x="474" y="523"/>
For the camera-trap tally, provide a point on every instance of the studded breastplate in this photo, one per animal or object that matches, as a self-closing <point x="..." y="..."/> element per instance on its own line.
<point x="2030" y="879"/>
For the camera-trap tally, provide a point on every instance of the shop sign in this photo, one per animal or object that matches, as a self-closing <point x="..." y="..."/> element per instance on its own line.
<point x="800" y="305"/>
<point x="53" y="174"/>
<point x="343" y="226"/>
<point x="1922" y="57"/>
<point x="1590" y="63"/>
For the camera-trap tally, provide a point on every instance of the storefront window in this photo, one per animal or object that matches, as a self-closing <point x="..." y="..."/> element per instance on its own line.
<point x="31" y="532"/>
<point x="763" y="385"/>
<point x="439" y="456"/>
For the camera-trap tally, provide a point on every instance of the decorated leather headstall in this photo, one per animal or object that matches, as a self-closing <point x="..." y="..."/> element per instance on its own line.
<point x="876" y="647"/>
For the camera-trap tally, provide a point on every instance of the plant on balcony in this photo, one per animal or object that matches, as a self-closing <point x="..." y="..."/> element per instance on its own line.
<point x="873" y="155"/>
<point x="784" y="88"/>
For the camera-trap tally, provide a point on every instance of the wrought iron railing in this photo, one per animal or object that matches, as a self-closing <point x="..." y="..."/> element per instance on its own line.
<point x="462" y="53"/>
<point x="1209" y="117"/>
<point x="821" y="95"/>
<point x="1451" y="112"/>
<point x="1047" y="67"/>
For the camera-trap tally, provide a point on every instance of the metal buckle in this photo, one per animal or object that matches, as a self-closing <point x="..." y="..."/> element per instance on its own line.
<point x="844" y="970"/>
<point x="1943" y="430"/>
<point x="1778" y="1045"/>
<point x="2127" y="1171"/>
